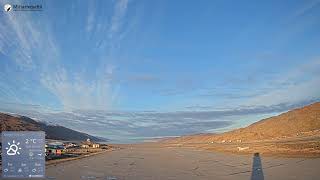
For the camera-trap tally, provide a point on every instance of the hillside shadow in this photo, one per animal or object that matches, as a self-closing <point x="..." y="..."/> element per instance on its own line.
<point x="257" y="172"/>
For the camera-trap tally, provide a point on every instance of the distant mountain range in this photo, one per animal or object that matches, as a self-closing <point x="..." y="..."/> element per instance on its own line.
<point x="23" y="123"/>
<point x="302" y="121"/>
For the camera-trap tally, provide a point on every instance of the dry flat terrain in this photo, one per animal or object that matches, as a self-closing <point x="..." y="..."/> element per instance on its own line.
<point x="153" y="161"/>
<point x="294" y="133"/>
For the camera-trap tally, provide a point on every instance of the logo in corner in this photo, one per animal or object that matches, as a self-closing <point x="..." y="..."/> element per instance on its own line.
<point x="7" y="7"/>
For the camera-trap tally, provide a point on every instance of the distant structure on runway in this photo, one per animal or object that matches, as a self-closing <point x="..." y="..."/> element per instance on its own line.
<point x="89" y="144"/>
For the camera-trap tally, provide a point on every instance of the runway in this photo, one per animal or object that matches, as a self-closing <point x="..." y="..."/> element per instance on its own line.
<point x="139" y="162"/>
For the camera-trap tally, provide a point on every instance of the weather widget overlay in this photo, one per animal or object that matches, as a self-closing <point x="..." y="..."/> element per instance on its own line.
<point x="23" y="154"/>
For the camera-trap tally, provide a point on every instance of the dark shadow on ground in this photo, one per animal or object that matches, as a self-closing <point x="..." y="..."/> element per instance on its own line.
<point x="257" y="172"/>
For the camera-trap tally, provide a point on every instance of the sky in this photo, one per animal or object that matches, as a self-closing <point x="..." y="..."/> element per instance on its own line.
<point x="130" y="70"/>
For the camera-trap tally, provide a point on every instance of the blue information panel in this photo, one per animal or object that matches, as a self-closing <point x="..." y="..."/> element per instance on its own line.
<point x="23" y="154"/>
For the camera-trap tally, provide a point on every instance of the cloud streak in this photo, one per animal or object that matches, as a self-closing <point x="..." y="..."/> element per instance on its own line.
<point x="37" y="55"/>
<point x="120" y="9"/>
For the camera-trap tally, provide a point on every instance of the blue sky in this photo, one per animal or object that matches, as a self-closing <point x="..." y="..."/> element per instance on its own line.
<point x="159" y="66"/>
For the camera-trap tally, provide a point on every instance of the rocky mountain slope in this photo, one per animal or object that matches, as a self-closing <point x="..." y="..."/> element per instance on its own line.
<point x="22" y="123"/>
<point x="298" y="122"/>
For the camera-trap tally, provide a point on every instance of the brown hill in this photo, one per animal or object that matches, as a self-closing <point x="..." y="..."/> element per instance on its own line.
<point x="12" y="123"/>
<point x="22" y="123"/>
<point x="298" y="122"/>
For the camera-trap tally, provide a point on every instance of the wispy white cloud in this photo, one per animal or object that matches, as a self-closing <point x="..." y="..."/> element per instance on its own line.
<point x="91" y="16"/>
<point x="28" y="47"/>
<point x="120" y="10"/>
<point x="35" y="50"/>
<point x="73" y="89"/>
<point x="114" y="31"/>
<point x="306" y="8"/>
<point x="300" y="84"/>
<point x="292" y="86"/>
<point x="77" y="93"/>
<point x="20" y="38"/>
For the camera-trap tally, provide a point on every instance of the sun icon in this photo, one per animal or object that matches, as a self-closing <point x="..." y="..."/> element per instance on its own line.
<point x="13" y="148"/>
